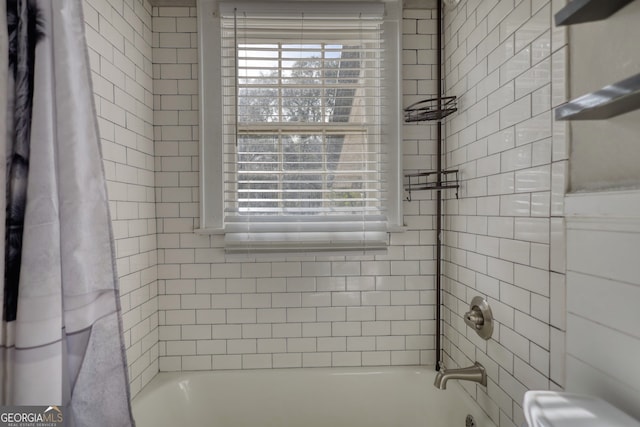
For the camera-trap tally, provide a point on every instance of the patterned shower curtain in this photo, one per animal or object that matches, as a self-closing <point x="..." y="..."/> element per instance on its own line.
<point x="60" y="337"/>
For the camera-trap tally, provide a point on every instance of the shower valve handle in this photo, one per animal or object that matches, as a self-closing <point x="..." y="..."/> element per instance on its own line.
<point x="474" y="318"/>
<point x="479" y="317"/>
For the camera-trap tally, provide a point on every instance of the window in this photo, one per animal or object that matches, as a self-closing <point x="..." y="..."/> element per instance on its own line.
<point x="309" y="157"/>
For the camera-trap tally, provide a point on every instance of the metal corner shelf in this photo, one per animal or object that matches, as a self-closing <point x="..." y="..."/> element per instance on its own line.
<point x="422" y="181"/>
<point x="579" y="11"/>
<point x="610" y="101"/>
<point x="431" y="109"/>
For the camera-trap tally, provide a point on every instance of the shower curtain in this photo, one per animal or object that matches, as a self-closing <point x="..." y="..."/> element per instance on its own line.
<point x="60" y="337"/>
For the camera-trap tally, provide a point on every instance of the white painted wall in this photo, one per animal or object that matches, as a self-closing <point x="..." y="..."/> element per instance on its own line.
<point x="504" y="235"/>
<point x="603" y="228"/>
<point x="605" y="153"/>
<point x="603" y="290"/>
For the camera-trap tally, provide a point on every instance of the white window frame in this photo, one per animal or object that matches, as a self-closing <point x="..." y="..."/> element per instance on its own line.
<point x="211" y="126"/>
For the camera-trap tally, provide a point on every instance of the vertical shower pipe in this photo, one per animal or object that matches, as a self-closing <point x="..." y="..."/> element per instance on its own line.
<point x="439" y="192"/>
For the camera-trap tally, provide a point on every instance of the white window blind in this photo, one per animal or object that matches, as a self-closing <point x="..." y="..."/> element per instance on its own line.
<point x="304" y="158"/>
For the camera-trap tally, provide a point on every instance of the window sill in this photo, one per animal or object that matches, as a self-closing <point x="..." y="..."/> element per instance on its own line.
<point x="392" y="228"/>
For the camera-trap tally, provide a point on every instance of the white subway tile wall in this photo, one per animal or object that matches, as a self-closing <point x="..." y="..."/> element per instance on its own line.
<point x="505" y="62"/>
<point x="119" y="36"/>
<point x="219" y="313"/>
<point x="186" y="307"/>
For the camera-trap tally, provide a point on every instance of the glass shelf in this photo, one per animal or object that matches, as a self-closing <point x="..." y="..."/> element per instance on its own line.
<point x="579" y="11"/>
<point x="610" y="101"/>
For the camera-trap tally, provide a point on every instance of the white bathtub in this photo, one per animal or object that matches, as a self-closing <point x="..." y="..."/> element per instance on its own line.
<point x="318" y="397"/>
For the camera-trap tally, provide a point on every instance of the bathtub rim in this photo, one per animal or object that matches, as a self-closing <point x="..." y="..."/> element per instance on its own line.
<point x="163" y="380"/>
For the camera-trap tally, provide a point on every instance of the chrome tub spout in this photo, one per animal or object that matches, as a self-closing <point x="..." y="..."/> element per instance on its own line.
<point x="474" y="373"/>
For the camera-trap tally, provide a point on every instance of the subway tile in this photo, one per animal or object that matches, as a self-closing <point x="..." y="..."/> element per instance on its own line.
<point x="221" y="332"/>
<point x="405" y="327"/>
<point x="331" y="314"/>
<point x="256" y="331"/>
<point x="343" y="268"/>
<point x="361" y="313"/>
<point x="286" y="300"/>
<point x="515" y="205"/>
<point x="515" y="251"/>
<point x="321" y="299"/>
<point x="558" y="245"/>
<point x="558" y="305"/>
<point x="501" y="141"/>
<point x="287" y="330"/>
<point x="536" y="128"/>
<point x="540" y="307"/>
<point x="390" y="312"/>
<point x="195" y="332"/>
<point x="532" y="229"/>
<point x="515" y="342"/>
<point x="399" y="358"/>
<point x="503" y="314"/>
<point x="287" y="360"/>
<point x="179" y="348"/>
<point x="301" y="345"/>
<point x="515" y="297"/>
<point x="180" y="317"/>
<point x="528" y="376"/>
<point x="170" y="364"/>
<point x="376" y="298"/>
<point x="241" y="346"/>
<point x="256" y="300"/>
<point x="216" y="346"/>
<point x="501" y="355"/>
<point x="500" y="269"/>
<point x="540" y="256"/>
<point x="541" y="204"/>
<point x="532" y="279"/>
<point x="256" y="361"/>
<point x="533" y="329"/>
<point x="278" y="345"/>
<point x="301" y="284"/>
<point x="301" y="315"/>
<point x="376" y="358"/>
<point x="515" y="66"/>
<point x="501" y="227"/>
<point x="515" y="19"/>
<point x="246" y="315"/>
<point x="501" y="183"/>
<point x="320" y="329"/>
<point x="364" y="283"/>
<point x="286" y="269"/>
<point x="362" y="300"/>
<point x="384" y="343"/>
<point x="350" y="358"/>
<point x="224" y="362"/>
<point x="271" y="285"/>
<point x="346" y="329"/>
<point x="271" y="315"/>
<point x="376" y="328"/>
<point x="517" y="158"/>
<point x="330" y="284"/>
<point x="316" y="360"/>
<point x="558" y="356"/>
